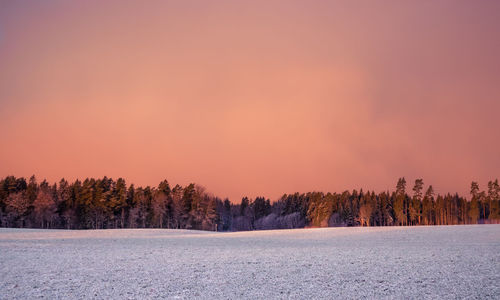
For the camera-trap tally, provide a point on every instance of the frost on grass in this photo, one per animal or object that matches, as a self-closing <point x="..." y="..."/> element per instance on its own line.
<point x="395" y="262"/>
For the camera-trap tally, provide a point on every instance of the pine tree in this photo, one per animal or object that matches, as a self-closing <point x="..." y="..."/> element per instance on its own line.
<point x="428" y="206"/>
<point x="416" y="202"/>
<point x="400" y="201"/>
<point x="494" y="200"/>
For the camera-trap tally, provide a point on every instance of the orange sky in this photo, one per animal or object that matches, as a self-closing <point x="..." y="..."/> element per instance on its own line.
<point x="255" y="98"/>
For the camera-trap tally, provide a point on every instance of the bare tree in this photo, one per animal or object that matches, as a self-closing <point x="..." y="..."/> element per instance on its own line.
<point x="17" y="207"/>
<point x="159" y="208"/>
<point x="365" y="212"/>
<point x="44" y="208"/>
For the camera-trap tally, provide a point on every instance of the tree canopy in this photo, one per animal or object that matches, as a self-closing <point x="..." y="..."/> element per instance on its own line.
<point x="107" y="203"/>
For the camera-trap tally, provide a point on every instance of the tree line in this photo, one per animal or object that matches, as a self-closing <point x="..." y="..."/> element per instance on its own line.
<point x="106" y="203"/>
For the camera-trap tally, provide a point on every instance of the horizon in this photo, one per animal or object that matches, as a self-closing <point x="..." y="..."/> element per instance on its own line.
<point x="252" y="99"/>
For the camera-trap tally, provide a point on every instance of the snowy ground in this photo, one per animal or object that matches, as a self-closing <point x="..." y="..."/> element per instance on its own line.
<point x="391" y="262"/>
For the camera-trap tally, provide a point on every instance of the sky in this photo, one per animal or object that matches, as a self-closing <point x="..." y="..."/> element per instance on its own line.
<point x="252" y="98"/>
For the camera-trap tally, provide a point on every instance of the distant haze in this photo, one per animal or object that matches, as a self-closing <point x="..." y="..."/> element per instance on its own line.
<point x="255" y="98"/>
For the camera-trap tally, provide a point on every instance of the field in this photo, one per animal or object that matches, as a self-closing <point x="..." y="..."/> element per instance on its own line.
<point x="385" y="262"/>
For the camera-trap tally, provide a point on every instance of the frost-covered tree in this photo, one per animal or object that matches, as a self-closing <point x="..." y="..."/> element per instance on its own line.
<point x="44" y="208"/>
<point x="17" y="205"/>
<point x="365" y="212"/>
<point x="106" y="203"/>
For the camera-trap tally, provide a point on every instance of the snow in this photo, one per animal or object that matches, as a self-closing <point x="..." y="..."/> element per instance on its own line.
<point x="385" y="262"/>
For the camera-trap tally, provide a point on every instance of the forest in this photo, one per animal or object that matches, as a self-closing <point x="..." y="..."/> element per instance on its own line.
<point x="107" y="203"/>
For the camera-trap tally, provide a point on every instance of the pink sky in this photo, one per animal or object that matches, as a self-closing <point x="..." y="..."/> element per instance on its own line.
<point x="254" y="98"/>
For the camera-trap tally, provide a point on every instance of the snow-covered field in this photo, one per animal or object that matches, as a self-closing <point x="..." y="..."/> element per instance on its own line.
<point x="390" y="262"/>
